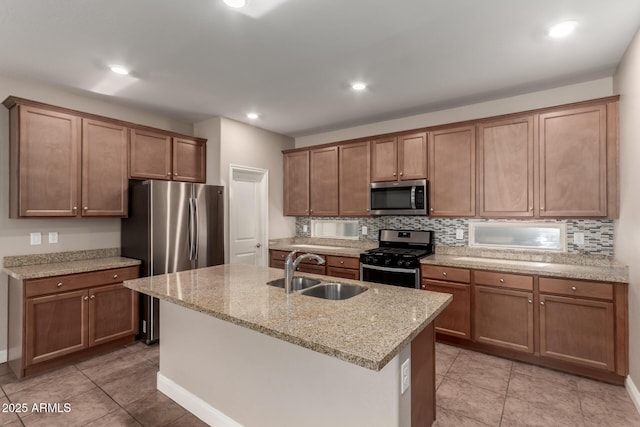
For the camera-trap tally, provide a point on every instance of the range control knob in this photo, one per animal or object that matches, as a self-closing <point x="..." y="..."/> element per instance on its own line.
<point x="401" y="263"/>
<point x="387" y="261"/>
<point x="370" y="260"/>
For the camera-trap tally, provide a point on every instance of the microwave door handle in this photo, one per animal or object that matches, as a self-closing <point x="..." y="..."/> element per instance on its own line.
<point x="413" y="197"/>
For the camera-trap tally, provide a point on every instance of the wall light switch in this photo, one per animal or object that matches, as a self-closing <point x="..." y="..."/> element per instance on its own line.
<point x="405" y="376"/>
<point x="365" y="230"/>
<point x="459" y="233"/>
<point x="53" y="237"/>
<point x="578" y="238"/>
<point x="36" y="238"/>
<point x="305" y="228"/>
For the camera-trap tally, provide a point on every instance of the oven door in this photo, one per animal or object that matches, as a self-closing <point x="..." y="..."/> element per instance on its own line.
<point x="405" y="277"/>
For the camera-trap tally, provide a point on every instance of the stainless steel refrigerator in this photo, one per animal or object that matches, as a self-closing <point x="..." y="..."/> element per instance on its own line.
<point x="172" y="226"/>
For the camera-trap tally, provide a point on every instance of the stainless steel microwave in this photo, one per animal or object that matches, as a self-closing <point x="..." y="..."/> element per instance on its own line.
<point x="400" y="198"/>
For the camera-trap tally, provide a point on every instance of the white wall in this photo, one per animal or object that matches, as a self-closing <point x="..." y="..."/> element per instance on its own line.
<point x="74" y="234"/>
<point x="627" y="228"/>
<point x="246" y="145"/>
<point x="557" y="96"/>
<point x="210" y="129"/>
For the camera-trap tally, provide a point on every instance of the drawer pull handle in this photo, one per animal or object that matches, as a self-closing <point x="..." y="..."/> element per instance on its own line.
<point x="86" y="298"/>
<point x="341" y="262"/>
<point x="530" y="301"/>
<point x="573" y="288"/>
<point x="93" y="297"/>
<point x="501" y="280"/>
<point x="59" y="284"/>
<point x="444" y="273"/>
<point x="115" y="276"/>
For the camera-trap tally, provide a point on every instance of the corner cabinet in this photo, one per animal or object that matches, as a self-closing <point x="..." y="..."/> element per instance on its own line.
<point x="60" y="319"/>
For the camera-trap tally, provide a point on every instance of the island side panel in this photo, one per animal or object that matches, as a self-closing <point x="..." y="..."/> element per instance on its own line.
<point x="257" y="380"/>
<point x="423" y="378"/>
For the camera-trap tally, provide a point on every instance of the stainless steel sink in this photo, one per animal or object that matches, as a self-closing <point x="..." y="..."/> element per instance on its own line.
<point x="297" y="283"/>
<point x="334" y="290"/>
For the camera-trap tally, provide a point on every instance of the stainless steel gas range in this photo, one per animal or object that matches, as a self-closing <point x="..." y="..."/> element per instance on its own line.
<point x="397" y="259"/>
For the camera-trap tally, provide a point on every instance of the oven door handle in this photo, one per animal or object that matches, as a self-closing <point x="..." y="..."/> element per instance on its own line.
<point x="392" y="269"/>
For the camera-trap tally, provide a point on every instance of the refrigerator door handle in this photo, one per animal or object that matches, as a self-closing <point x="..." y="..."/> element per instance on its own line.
<point x="190" y="230"/>
<point x="196" y="237"/>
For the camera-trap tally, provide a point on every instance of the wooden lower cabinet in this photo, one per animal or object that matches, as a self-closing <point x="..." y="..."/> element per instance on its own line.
<point x="455" y="319"/>
<point x="50" y="326"/>
<point x="335" y="266"/>
<point x="503" y="318"/>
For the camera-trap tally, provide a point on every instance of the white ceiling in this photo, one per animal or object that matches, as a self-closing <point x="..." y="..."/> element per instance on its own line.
<point x="292" y="61"/>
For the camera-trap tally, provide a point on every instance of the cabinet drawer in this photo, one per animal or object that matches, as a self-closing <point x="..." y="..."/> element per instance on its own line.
<point x="577" y="288"/>
<point x="311" y="268"/>
<point x="515" y="281"/>
<point x="50" y="285"/>
<point x="343" y="262"/>
<point x="461" y="275"/>
<point x="278" y="255"/>
<point x="346" y="273"/>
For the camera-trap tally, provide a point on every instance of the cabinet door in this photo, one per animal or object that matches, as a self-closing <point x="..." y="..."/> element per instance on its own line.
<point x="412" y="156"/>
<point x="384" y="160"/>
<point x="112" y="313"/>
<point x="104" y="169"/>
<point x="504" y="318"/>
<point x="323" y="172"/>
<point x="49" y="153"/>
<point x="505" y="168"/>
<point x="354" y="171"/>
<point x="573" y="162"/>
<point x="55" y="325"/>
<point x="189" y="160"/>
<point x="149" y="155"/>
<point x="296" y="183"/>
<point x="455" y="319"/>
<point x="577" y="331"/>
<point x="452" y="172"/>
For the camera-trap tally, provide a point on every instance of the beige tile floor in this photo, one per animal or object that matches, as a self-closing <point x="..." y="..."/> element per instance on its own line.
<point x="119" y="389"/>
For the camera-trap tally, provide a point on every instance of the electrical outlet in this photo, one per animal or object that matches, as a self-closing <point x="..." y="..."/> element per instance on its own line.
<point x="405" y="376"/>
<point x="305" y="228"/>
<point x="459" y="233"/>
<point x="578" y="239"/>
<point x="36" y="238"/>
<point x="53" y="237"/>
<point x="365" y="230"/>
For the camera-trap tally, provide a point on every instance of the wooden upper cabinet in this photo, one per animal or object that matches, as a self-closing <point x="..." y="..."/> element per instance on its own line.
<point x="45" y="153"/>
<point x="189" y="160"/>
<point x="296" y="183"/>
<point x="452" y="178"/>
<point x="149" y="155"/>
<point x="412" y="156"/>
<point x="323" y="175"/>
<point x="573" y="162"/>
<point x="505" y="168"/>
<point x="384" y="159"/>
<point x="104" y="169"/>
<point x="354" y="179"/>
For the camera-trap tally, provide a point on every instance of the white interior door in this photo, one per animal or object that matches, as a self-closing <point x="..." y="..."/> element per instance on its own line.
<point x="248" y="216"/>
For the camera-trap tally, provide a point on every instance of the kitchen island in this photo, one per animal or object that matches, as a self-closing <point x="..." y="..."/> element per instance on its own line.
<point x="235" y="351"/>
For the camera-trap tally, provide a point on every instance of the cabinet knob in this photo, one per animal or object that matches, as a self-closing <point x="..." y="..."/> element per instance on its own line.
<point x="115" y="276"/>
<point x="423" y="287"/>
<point x="175" y="174"/>
<point x="530" y="301"/>
<point x="59" y="284"/>
<point x="401" y="173"/>
<point x="75" y="208"/>
<point x="86" y="298"/>
<point x="394" y="174"/>
<point x="530" y="209"/>
<point x="431" y="209"/>
<point x="168" y="173"/>
<point x="541" y="302"/>
<point x="444" y="273"/>
<point x="86" y="208"/>
<point x="93" y="297"/>
<point x="501" y="280"/>
<point x="341" y="262"/>
<point x="311" y="210"/>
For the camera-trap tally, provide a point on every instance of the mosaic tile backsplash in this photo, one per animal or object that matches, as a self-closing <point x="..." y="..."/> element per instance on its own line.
<point x="598" y="234"/>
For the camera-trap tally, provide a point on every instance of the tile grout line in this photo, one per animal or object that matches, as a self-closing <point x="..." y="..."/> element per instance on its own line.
<point x="506" y="393"/>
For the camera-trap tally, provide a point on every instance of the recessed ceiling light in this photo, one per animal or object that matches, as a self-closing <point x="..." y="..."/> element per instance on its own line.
<point x="359" y="86"/>
<point x="252" y="116"/>
<point x="562" y="29"/>
<point x="119" y="69"/>
<point x="235" y="3"/>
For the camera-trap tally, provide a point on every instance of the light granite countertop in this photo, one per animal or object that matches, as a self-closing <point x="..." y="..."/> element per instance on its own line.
<point x="551" y="265"/>
<point x="36" y="266"/>
<point x="367" y="330"/>
<point x="337" y="247"/>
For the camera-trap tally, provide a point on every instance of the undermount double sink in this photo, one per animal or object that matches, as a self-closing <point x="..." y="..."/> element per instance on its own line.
<point x="319" y="289"/>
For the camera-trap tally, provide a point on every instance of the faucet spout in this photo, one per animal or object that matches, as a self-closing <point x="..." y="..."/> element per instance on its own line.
<point x="291" y="264"/>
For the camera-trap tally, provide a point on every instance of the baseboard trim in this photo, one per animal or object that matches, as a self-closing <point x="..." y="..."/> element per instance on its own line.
<point x="633" y="392"/>
<point x="3" y="356"/>
<point x="194" y="404"/>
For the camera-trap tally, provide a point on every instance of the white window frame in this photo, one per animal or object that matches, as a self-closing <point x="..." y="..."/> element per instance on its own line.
<point x="562" y="227"/>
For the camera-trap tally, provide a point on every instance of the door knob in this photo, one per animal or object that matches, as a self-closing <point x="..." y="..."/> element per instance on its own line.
<point x="258" y="245"/>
